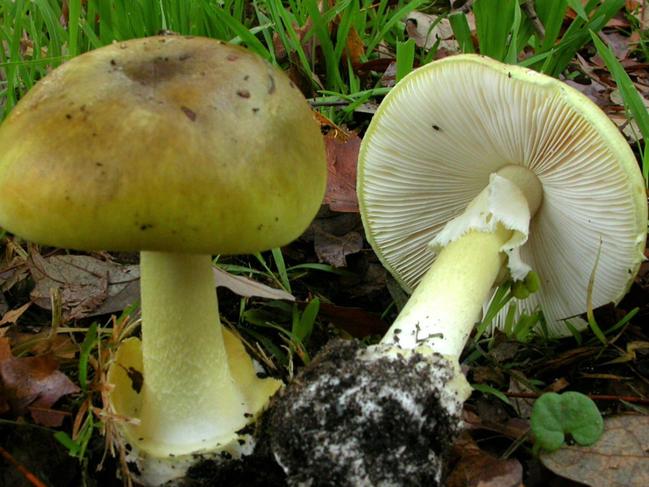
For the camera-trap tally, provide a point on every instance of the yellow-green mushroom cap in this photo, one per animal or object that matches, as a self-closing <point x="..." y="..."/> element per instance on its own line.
<point x="176" y="144"/>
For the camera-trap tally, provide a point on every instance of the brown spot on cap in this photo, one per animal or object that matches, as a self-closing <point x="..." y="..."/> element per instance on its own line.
<point x="232" y="57"/>
<point x="189" y="113"/>
<point x="243" y="93"/>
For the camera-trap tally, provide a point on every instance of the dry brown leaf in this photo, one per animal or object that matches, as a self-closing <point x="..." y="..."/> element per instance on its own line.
<point x="33" y="382"/>
<point x="88" y="286"/>
<point x="332" y="249"/>
<point x="342" y="157"/>
<point x="5" y="349"/>
<point x="243" y="286"/>
<point x="477" y="468"/>
<point x="619" y="459"/>
<point x="12" y="316"/>
<point x="354" y="47"/>
<point x="13" y="273"/>
<point x="426" y="29"/>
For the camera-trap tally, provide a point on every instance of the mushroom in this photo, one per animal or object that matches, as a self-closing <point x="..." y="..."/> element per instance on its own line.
<point x="178" y="147"/>
<point x="470" y="171"/>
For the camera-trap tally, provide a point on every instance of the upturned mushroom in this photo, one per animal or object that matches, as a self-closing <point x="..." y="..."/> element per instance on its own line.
<point x="471" y="170"/>
<point x="178" y="147"/>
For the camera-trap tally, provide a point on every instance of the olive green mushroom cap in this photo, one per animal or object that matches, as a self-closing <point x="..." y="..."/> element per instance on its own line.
<point x="164" y="143"/>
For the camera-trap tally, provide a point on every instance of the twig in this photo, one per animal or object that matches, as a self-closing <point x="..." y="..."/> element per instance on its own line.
<point x="528" y="6"/>
<point x="30" y="477"/>
<point x="594" y="397"/>
<point x="340" y="103"/>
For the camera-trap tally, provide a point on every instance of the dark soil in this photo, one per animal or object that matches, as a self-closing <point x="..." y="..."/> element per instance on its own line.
<point x="37" y="451"/>
<point x="352" y="421"/>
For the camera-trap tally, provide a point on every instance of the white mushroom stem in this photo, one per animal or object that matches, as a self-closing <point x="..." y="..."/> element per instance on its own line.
<point x="190" y="399"/>
<point x="475" y="246"/>
<point x="448" y="301"/>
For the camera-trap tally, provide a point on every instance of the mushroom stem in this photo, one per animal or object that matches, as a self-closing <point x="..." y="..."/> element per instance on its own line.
<point x="475" y="246"/>
<point x="444" y="307"/>
<point x="190" y="399"/>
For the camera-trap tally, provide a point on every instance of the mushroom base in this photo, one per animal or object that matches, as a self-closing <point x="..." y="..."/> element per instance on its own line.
<point x="368" y="416"/>
<point x="148" y="464"/>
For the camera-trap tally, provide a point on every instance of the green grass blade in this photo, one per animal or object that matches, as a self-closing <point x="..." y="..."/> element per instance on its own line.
<point x="281" y="268"/>
<point x="74" y="14"/>
<point x="389" y="23"/>
<point x="462" y="31"/>
<point x="578" y="33"/>
<point x="494" y="20"/>
<point x="578" y="7"/>
<point x="512" y="52"/>
<point x="89" y="342"/>
<point x="405" y="58"/>
<point x="551" y="13"/>
<point x="632" y="99"/>
<point x="320" y="27"/>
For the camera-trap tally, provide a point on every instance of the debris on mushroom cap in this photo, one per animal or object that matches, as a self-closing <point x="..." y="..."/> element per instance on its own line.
<point x="164" y="143"/>
<point x="363" y="417"/>
<point x="445" y="128"/>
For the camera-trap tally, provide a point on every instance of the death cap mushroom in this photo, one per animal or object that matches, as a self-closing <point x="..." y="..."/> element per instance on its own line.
<point x="162" y="144"/>
<point x="438" y="137"/>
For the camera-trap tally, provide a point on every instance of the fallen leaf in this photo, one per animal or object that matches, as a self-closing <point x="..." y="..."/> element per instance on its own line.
<point x="5" y="349"/>
<point x="595" y="90"/>
<point x="426" y="29"/>
<point x="618" y="43"/>
<point x="332" y="249"/>
<point x="342" y="156"/>
<point x="629" y="127"/>
<point x="354" y="47"/>
<point x="619" y="459"/>
<point x="13" y="273"/>
<point x="12" y="316"/>
<point x="522" y="406"/>
<point x="91" y="287"/>
<point x="33" y="382"/>
<point x="4" y="307"/>
<point x="477" y="468"/>
<point x="60" y="346"/>
<point x="389" y="76"/>
<point x="513" y="428"/>
<point x="248" y="288"/>
<point x="88" y="286"/>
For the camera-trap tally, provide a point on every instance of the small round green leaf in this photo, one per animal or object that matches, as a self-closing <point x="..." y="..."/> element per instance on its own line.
<point x="555" y="415"/>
